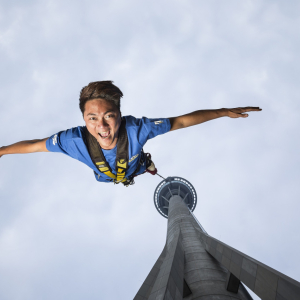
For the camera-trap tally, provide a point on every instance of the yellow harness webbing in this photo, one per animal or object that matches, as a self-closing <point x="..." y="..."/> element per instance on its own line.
<point x="98" y="158"/>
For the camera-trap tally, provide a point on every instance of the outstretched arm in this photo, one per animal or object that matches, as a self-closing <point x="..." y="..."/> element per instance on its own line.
<point x="201" y="116"/>
<point x="25" y="147"/>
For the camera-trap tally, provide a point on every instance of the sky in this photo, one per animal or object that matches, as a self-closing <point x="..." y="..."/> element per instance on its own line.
<point x="63" y="235"/>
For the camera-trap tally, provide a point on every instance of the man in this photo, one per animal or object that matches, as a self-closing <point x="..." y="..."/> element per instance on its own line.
<point x="110" y="144"/>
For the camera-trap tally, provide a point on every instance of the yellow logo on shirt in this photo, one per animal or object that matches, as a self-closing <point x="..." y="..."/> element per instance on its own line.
<point x="133" y="157"/>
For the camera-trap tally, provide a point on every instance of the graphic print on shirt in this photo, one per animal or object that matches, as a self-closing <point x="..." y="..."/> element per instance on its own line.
<point x="54" y="139"/>
<point x="133" y="157"/>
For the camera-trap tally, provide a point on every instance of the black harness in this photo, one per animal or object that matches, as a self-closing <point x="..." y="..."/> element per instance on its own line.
<point x="122" y="157"/>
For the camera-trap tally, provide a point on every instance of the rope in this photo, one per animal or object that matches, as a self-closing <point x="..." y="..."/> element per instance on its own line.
<point x="160" y="176"/>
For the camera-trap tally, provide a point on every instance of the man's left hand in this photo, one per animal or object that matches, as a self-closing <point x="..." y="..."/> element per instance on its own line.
<point x="240" y="112"/>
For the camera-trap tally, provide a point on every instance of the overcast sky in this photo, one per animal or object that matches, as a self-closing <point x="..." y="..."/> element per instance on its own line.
<point x="63" y="235"/>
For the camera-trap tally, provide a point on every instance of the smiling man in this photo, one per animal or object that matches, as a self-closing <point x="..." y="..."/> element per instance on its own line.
<point x="110" y="144"/>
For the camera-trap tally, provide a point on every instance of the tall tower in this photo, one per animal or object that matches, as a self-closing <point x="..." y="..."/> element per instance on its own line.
<point x="194" y="265"/>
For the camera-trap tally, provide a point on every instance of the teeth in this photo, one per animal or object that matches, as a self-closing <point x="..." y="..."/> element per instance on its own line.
<point x="104" y="134"/>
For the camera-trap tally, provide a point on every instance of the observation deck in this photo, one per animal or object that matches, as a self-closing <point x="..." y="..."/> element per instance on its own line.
<point x="172" y="186"/>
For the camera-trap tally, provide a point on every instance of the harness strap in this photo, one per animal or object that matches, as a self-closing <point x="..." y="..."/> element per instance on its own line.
<point x="99" y="160"/>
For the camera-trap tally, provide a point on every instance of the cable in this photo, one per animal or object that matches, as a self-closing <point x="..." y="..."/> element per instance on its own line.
<point x="160" y="176"/>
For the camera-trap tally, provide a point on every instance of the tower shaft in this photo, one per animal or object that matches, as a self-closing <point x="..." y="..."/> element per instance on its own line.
<point x="195" y="266"/>
<point x="185" y="269"/>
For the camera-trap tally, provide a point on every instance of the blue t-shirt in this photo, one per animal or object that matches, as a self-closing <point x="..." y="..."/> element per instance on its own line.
<point x="139" y="131"/>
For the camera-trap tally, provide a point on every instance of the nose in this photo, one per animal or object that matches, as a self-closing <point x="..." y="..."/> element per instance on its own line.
<point x="101" y="123"/>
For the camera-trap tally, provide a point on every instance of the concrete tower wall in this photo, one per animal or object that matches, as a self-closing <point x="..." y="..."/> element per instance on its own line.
<point x="185" y="270"/>
<point x="194" y="265"/>
<point x="205" y="277"/>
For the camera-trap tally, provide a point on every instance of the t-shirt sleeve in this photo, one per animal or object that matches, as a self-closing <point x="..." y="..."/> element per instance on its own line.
<point x="149" y="128"/>
<point x="156" y="127"/>
<point x="62" y="142"/>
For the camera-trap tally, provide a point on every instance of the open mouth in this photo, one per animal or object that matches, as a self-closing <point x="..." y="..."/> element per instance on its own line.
<point x="104" y="135"/>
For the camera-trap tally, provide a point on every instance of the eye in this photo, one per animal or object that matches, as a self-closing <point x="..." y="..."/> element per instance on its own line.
<point x="93" y="118"/>
<point x="109" y="116"/>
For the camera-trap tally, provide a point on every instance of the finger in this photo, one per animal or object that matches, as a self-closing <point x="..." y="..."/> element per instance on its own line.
<point x="250" y="108"/>
<point x="244" y="115"/>
<point x="240" y="110"/>
<point x="234" y="114"/>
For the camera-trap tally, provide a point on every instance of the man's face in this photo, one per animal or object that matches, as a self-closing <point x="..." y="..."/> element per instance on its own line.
<point x="103" y="119"/>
